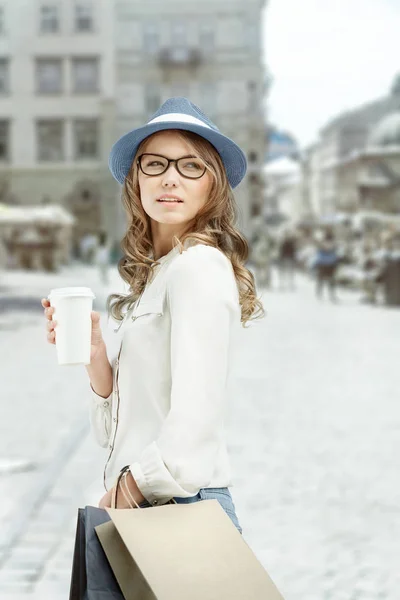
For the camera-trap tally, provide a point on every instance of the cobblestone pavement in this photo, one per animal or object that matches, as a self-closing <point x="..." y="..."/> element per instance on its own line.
<point x="313" y="435"/>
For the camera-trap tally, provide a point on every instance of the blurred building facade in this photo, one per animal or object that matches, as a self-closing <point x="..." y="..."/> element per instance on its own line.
<point x="369" y="179"/>
<point x="281" y="144"/>
<point x="283" y="190"/>
<point x="355" y="165"/>
<point x="56" y="106"/>
<point x="76" y="74"/>
<point x="210" y="52"/>
<point x="353" y="170"/>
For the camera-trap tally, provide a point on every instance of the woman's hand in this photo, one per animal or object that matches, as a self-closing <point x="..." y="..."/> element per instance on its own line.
<point x="105" y="502"/>
<point x="97" y="342"/>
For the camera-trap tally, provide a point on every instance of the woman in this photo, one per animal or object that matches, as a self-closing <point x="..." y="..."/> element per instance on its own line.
<point x="102" y="257"/>
<point x="326" y="263"/>
<point x="160" y="407"/>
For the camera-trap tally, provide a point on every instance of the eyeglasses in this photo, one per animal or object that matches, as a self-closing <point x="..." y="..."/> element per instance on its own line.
<point x="156" y="164"/>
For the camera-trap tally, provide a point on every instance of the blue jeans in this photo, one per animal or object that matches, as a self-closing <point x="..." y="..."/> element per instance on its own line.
<point x="223" y="496"/>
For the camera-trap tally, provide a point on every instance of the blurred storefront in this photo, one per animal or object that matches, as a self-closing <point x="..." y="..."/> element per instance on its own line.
<point x="35" y="237"/>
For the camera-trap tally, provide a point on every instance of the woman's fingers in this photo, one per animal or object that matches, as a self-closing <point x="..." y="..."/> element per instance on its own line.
<point x="95" y="317"/>
<point x="48" y="310"/>
<point x="51" y="325"/>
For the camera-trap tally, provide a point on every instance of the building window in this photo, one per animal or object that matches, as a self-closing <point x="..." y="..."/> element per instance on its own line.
<point x="4" y="76"/>
<point x="86" y="139"/>
<point x="2" y="21"/>
<point x="208" y="97"/>
<point x="49" y="18"/>
<point x="85" y="75"/>
<point x="4" y="139"/>
<point x="50" y="140"/>
<point x="207" y="38"/>
<point x="251" y="35"/>
<point x="49" y="75"/>
<point x="151" y="39"/>
<point x="152" y="98"/>
<point x="178" y="34"/>
<point x="84" y="16"/>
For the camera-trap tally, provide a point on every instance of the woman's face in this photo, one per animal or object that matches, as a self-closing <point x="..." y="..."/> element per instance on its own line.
<point x="192" y="193"/>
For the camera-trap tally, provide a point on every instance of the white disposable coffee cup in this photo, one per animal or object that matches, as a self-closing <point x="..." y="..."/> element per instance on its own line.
<point x="72" y="311"/>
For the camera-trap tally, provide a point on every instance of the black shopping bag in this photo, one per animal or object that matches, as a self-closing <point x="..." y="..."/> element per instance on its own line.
<point x="92" y="577"/>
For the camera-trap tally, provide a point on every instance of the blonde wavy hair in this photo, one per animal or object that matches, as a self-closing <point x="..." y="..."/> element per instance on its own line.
<point x="214" y="225"/>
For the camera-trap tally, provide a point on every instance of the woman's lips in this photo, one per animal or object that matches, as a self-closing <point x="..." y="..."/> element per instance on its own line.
<point x="169" y="204"/>
<point x="169" y="200"/>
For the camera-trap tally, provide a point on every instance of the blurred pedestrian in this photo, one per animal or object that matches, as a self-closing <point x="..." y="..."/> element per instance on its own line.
<point x="371" y="273"/>
<point x="325" y="264"/>
<point x="102" y="256"/>
<point x="375" y="263"/>
<point x="287" y="261"/>
<point x="87" y="247"/>
<point x="391" y="270"/>
<point x="261" y="251"/>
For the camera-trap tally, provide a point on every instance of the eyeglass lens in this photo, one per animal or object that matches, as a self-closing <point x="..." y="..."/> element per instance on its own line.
<point x="156" y="165"/>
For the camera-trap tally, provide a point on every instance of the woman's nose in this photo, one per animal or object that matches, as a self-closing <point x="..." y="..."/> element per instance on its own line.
<point x="171" y="176"/>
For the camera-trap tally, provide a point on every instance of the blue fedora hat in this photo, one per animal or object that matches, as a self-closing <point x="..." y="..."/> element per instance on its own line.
<point x="178" y="113"/>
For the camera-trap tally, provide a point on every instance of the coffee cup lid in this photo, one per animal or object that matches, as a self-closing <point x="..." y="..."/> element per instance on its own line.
<point x="71" y="292"/>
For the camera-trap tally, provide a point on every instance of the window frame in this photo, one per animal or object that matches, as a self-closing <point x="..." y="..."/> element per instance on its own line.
<point x="2" y="20"/>
<point x="5" y="60"/>
<point x="208" y="89"/>
<point x="152" y="96"/>
<point x="207" y="33"/>
<point x="151" y="33"/>
<point x="79" y="5"/>
<point x="75" y="60"/>
<point x="50" y="4"/>
<point x="7" y="139"/>
<point x="79" y="121"/>
<point x="179" y="33"/>
<point x="49" y="59"/>
<point x="46" y="121"/>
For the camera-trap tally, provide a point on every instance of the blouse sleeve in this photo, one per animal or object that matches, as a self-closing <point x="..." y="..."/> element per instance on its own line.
<point x="203" y="300"/>
<point x="101" y="414"/>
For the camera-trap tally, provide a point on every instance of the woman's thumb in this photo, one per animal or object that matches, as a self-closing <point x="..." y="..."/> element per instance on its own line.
<point x="95" y="319"/>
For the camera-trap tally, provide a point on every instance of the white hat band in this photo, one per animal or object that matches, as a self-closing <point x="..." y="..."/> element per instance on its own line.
<point x="179" y="118"/>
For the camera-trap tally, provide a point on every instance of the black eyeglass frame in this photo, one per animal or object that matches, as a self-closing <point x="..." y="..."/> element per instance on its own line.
<point x="169" y="162"/>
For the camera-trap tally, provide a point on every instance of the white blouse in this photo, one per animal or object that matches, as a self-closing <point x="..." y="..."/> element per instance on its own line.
<point x="166" y="415"/>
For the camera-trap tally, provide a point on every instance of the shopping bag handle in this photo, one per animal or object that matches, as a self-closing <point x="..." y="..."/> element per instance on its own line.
<point x="123" y="486"/>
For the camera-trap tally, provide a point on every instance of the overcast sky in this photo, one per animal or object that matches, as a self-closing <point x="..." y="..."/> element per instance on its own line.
<point x="327" y="56"/>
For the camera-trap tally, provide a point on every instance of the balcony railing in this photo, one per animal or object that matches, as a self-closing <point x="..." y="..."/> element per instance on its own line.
<point x="180" y="56"/>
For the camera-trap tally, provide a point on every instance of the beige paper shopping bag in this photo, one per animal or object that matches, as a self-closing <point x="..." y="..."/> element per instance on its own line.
<point x="181" y="552"/>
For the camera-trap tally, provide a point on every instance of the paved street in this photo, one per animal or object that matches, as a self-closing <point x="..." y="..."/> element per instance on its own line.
<point x="314" y="436"/>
